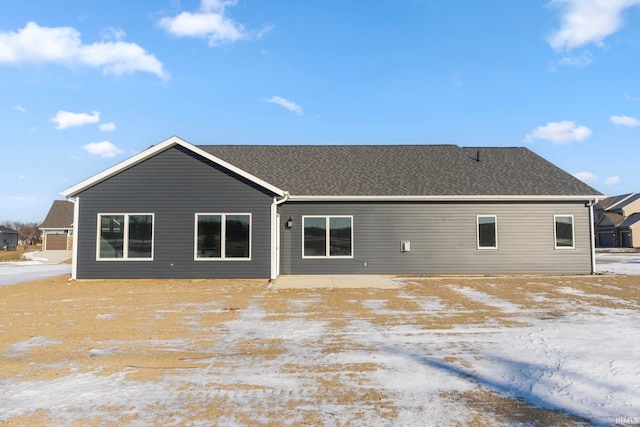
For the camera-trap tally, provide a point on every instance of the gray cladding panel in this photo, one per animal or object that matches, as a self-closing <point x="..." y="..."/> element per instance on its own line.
<point x="443" y="239"/>
<point x="175" y="185"/>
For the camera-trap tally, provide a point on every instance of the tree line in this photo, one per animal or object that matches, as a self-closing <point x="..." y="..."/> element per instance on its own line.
<point x="28" y="232"/>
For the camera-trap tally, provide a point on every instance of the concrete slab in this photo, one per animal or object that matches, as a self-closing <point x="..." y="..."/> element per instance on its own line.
<point x="49" y="257"/>
<point x="333" y="281"/>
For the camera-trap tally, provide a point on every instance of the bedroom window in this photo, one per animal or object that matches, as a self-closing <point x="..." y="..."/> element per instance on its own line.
<point x="125" y="237"/>
<point x="563" y="231"/>
<point x="487" y="232"/>
<point x="223" y="237"/>
<point x="327" y="237"/>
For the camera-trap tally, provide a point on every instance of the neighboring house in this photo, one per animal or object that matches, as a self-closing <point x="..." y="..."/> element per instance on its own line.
<point x="57" y="228"/>
<point x="177" y="210"/>
<point x="8" y="239"/>
<point x="616" y="221"/>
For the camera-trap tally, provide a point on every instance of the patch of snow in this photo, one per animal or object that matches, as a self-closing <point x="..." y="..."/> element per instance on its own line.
<point x="24" y="347"/>
<point x="486" y="299"/>
<point x="12" y="273"/>
<point x="106" y="316"/>
<point x="630" y="269"/>
<point x="618" y="263"/>
<point x="31" y="256"/>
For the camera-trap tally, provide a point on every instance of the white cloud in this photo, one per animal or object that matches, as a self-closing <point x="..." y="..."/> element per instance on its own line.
<point x="291" y="106"/>
<point x="18" y="108"/>
<point x="625" y="121"/>
<point x="62" y="45"/>
<point x="587" y="177"/>
<point x="614" y="180"/>
<point x="579" y="61"/>
<point x="102" y="149"/>
<point x="587" y="21"/>
<point x="562" y="132"/>
<point x="210" y="23"/>
<point x="24" y="199"/>
<point x="113" y="33"/>
<point x="66" y="119"/>
<point x="107" y="127"/>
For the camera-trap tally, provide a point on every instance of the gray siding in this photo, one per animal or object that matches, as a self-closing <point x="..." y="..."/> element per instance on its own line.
<point x="174" y="185"/>
<point x="443" y="239"/>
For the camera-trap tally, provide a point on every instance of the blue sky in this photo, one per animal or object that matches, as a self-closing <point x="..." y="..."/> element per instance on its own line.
<point x="86" y="84"/>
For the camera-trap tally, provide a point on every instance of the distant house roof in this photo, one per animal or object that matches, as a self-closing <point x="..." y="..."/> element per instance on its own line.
<point x="7" y="230"/>
<point x="610" y="219"/>
<point x="422" y="171"/>
<point x="60" y="215"/>
<point x="620" y="202"/>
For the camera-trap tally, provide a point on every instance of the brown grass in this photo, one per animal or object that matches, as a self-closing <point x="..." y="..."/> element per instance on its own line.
<point x="7" y="256"/>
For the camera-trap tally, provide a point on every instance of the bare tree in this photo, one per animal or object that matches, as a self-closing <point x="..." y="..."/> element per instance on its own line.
<point x="28" y="232"/>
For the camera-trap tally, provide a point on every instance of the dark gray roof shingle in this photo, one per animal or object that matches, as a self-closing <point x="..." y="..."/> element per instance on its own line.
<point x="60" y="215"/>
<point x="402" y="170"/>
<point x="630" y="220"/>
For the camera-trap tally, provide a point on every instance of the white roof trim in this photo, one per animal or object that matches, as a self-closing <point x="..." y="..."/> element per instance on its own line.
<point x="445" y="198"/>
<point x="158" y="148"/>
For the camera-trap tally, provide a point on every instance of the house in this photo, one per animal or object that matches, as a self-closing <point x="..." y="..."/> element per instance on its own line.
<point x="8" y="239"/>
<point x="57" y="228"/>
<point x="616" y="220"/>
<point x="177" y="210"/>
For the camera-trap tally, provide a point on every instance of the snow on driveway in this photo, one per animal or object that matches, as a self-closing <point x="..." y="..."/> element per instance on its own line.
<point x="34" y="268"/>
<point x="17" y="272"/>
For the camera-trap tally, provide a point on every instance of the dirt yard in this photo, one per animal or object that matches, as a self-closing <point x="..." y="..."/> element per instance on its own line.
<point x="234" y="352"/>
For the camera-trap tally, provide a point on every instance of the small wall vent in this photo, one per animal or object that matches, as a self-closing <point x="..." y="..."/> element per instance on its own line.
<point x="405" y="246"/>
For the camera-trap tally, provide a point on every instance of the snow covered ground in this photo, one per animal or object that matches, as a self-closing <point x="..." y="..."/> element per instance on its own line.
<point x="618" y="262"/>
<point x="578" y="355"/>
<point x="34" y="268"/>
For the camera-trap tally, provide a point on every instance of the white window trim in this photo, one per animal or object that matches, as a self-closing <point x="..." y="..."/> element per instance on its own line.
<point x="125" y="237"/>
<point x="493" y="248"/>
<point x="573" y="233"/>
<point x="223" y="237"/>
<point x="327" y="238"/>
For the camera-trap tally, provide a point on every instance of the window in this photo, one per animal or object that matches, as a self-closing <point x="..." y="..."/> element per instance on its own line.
<point x="223" y="237"/>
<point x="563" y="231"/>
<point x="125" y="237"/>
<point x="487" y="232"/>
<point x="327" y="236"/>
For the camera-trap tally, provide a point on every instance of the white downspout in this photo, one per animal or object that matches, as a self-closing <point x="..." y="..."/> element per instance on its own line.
<point x="74" y="250"/>
<point x="593" y="235"/>
<point x="274" y="234"/>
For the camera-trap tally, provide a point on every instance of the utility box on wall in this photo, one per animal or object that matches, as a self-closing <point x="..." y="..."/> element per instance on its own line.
<point x="405" y="246"/>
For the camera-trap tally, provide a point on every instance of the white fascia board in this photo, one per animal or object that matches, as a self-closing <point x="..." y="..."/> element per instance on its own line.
<point x="444" y="198"/>
<point x="158" y="148"/>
